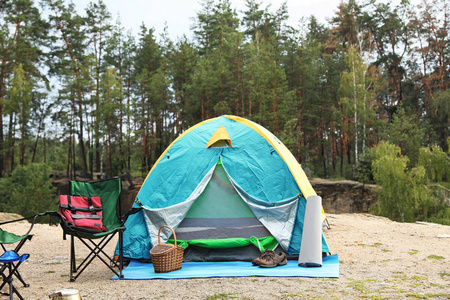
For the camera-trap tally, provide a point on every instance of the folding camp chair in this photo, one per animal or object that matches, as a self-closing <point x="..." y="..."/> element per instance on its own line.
<point x="11" y="260"/>
<point x="109" y="192"/>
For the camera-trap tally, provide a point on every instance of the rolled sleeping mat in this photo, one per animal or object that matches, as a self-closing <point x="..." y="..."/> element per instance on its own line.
<point x="311" y="247"/>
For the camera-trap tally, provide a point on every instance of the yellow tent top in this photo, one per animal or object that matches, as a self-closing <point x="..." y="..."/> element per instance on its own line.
<point x="221" y="134"/>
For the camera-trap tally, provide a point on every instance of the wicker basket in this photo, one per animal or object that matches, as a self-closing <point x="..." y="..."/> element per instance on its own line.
<point x="166" y="257"/>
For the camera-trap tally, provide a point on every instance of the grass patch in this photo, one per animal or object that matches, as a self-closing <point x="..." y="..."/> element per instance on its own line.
<point x="433" y="295"/>
<point x="413" y="251"/>
<point x="444" y="274"/>
<point x="415" y="285"/>
<point x="436" y="257"/>
<point x="428" y="295"/>
<point x="417" y="296"/>
<point x="357" y="285"/>
<point x="402" y="277"/>
<point x="379" y="245"/>
<point x="296" y="295"/>
<point x="50" y="272"/>
<point x="222" y="296"/>
<point x="417" y="277"/>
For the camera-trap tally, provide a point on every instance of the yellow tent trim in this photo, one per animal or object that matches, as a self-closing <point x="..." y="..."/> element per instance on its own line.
<point x="221" y="134"/>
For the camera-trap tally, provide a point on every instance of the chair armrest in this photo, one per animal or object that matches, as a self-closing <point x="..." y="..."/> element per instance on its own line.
<point x="132" y="211"/>
<point x="51" y="214"/>
<point x="26" y="218"/>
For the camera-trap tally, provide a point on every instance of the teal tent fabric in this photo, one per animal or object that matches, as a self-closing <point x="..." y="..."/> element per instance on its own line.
<point x="254" y="167"/>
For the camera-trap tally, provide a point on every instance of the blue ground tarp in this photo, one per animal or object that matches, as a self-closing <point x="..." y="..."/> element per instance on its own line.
<point x="137" y="270"/>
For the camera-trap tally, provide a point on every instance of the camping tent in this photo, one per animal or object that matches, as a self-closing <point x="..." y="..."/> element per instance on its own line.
<point x="229" y="188"/>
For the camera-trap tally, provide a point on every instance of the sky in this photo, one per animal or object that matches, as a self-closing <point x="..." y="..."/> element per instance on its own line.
<point x="179" y="14"/>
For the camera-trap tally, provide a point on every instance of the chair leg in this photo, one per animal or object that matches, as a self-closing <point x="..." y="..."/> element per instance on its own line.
<point x="19" y="276"/>
<point x="73" y="263"/>
<point x="9" y="280"/>
<point x="120" y="254"/>
<point x="13" y="271"/>
<point x="16" y="273"/>
<point x="2" y="272"/>
<point x="97" y="250"/>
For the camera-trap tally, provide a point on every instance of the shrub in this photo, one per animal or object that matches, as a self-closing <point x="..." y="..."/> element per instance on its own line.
<point x="364" y="169"/>
<point x="436" y="162"/>
<point x="404" y="196"/>
<point x="28" y="190"/>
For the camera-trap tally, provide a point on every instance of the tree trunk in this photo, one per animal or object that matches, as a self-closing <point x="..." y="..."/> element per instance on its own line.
<point x="78" y="76"/>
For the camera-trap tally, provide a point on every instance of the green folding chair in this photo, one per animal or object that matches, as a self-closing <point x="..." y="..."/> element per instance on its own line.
<point x="109" y="192"/>
<point x="10" y="259"/>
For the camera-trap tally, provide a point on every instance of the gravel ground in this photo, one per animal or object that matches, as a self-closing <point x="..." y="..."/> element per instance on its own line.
<point x="379" y="259"/>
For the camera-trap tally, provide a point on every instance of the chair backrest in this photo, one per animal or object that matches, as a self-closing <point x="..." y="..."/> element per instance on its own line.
<point x="109" y="192"/>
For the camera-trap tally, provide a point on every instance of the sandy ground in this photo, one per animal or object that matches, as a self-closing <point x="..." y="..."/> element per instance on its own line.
<point x="379" y="259"/>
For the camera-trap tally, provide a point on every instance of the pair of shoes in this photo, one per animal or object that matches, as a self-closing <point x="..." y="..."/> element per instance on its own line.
<point x="270" y="259"/>
<point x="261" y="257"/>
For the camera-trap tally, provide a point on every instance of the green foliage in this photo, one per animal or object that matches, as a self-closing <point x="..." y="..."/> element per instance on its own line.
<point x="441" y="216"/>
<point x="440" y="105"/>
<point x="405" y="132"/>
<point x="404" y="196"/>
<point x="364" y="169"/>
<point x="437" y="165"/>
<point x="120" y="99"/>
<point x="436" y="162"/>
<point x="28" y="190"/>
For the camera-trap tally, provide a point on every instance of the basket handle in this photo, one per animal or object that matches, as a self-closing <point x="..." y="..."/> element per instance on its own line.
<point x="174" y="235"/>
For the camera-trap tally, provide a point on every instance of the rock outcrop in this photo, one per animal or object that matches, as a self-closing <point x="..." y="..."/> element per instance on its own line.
<point x="345" y="196"/>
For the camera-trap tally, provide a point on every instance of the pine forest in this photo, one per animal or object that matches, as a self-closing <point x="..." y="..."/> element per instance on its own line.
<point x="82" y="95"/>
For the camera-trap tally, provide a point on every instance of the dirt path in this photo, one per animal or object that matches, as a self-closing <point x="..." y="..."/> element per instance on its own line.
<point x="380" y="259"/>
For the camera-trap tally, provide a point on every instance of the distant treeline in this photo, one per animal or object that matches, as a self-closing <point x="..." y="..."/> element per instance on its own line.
<point x="82" y="94"/>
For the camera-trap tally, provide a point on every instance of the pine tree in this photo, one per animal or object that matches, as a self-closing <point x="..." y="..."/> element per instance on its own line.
<point x="182" y="61"/>
<point x="405" y="132"/>
<point x="150" y="96"/>
<point x="428" y="60"/>
<point x="23" y="35"/>
<point x="390" y="37"/>
<point x="110" y="103"/>
<point x="120" y="51"/>
<point x="73" y="36"/>
<point x="98" y="27"/>
<point x="19" y="108"/>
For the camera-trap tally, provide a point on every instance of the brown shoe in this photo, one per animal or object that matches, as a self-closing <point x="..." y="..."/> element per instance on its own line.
<point x="257" y="261"/>
<point x="272" y="260"/>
